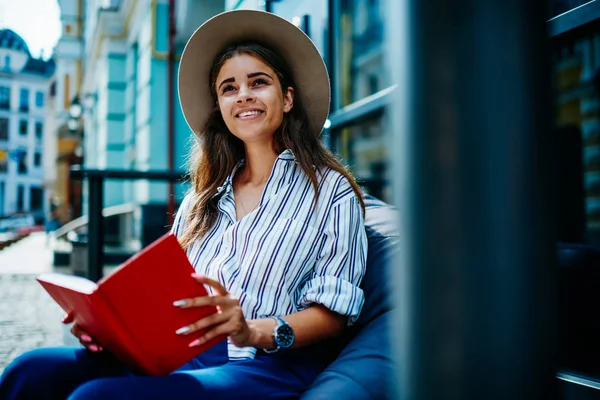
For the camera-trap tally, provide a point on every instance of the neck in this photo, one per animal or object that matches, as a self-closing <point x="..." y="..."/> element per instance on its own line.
<point x="259" y="164"/>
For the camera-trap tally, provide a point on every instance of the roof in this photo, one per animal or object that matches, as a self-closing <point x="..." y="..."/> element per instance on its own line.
<point x="10" y="40"/>
<point x="39" y="67"/>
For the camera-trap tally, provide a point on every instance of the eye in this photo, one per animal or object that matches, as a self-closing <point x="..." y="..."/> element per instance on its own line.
<point x="227" y="88"/>
<point x="259" y="81"/>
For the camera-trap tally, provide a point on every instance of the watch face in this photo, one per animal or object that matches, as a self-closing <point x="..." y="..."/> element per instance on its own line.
<point x="285" y="336"/>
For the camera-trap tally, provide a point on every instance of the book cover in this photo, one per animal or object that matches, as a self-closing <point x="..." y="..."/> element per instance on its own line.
<point x="130" y="312"/>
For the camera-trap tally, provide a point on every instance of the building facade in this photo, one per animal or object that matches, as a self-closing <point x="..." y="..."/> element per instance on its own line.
<point x="24" y="82"/>
<point x="61" y="143"/>
<point x="126" y="73"/>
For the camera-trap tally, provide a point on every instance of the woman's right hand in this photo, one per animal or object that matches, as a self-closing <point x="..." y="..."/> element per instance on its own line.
<point x="84" y="338"/>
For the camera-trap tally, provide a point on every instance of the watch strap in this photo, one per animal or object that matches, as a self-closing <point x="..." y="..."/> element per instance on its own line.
<point x="278" y="322"/>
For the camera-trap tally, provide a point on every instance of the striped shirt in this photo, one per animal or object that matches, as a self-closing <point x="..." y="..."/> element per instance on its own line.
<point x="286" y="255"/>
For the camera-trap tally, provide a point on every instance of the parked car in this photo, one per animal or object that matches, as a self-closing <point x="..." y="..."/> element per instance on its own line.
<point x="15" y="222"/>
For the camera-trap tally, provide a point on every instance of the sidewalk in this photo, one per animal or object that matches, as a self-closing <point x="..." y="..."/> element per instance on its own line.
<point x="29" y="318"/>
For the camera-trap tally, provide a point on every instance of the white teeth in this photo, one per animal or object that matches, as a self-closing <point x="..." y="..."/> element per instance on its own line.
<point x="248" y="113"/>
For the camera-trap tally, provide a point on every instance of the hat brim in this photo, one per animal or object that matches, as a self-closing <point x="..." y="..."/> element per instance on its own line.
<point x="212" y="37"/>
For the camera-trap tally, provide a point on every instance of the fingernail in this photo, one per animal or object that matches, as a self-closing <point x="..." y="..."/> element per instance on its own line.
<point x="100" y="348"/>
<point x="196" y="276"/>
<point x="180" y="303"/>
<point x="196" y="342"/>
<point x="86" y="338"/>
<point x="93" y="348"/>
<point x="182" y="331"/>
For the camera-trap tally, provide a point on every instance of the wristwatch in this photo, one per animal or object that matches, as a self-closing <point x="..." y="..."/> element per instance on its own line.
<point x="283" y="335"/>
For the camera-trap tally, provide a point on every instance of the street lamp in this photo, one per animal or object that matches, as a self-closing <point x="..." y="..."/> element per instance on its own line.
<point x="75" y="111"/>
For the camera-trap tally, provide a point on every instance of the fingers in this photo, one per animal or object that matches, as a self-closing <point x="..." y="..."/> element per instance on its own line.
<point x="68" y="318"/>
<point x="206" y="322"/>
<point x="219" y="301"/>
<point x="216" y="285"/>
<point x="219" y="330"/>
<point x="85" y="339"/>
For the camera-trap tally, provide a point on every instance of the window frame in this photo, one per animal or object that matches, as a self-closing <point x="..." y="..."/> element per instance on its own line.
<point x="5" y="90"/>
<point x="39" y="99"/>
<point x="21" y="133"/>
<point x="24" y="105"/>
<point x="7" y="125"/>
<point x="35" y="129"/>
<point x="342" y="117"/>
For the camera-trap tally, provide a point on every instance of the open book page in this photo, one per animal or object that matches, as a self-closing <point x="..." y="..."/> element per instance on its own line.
<point x="72" y="282"/>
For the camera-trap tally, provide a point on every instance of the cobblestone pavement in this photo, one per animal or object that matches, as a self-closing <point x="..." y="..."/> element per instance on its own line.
<point x="29" y="318"/>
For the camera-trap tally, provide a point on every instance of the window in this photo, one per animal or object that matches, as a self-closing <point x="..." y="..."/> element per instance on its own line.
<point x="363" y="146"/>
<point x="37" y="159"/>
<point x="24" y="100"/>
<point x="39" y="99"/>
<point x="22" y="162"/>
<point x="20" y="197"/>
<point x="7" y="63"/>
<point x="4" y="98"/>
<point x="360" y="58"/>
<point x="359" y="137"/>
<point x="3" y="128"/>
<point x="23" y="127"/>
<point x="39" y="129"/>
<point x="3" y="162"/>
<point x="577" y="90"/>
<point x="36" y="196"/>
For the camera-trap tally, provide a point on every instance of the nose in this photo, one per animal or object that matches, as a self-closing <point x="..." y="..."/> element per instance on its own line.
<point x="245" y="95"/>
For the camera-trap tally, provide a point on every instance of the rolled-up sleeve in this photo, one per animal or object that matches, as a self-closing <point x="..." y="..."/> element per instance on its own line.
<point x="341" y="262"/>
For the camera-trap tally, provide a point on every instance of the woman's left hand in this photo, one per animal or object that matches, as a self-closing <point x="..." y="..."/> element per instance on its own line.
<point x="229" y="320"/>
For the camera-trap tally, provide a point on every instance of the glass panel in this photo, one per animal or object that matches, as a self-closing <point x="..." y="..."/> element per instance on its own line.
<point x="360" y="60"/>
<point x="3" y="128"/>
<point x="577" y="86"/>
<point x="3" y="162"/>
<point x="23" y="127"/>
<point x="36" y="196"/>
<point x="362" y="147"/>
<point x="24" y="100"/>
<point x="20" y="197"/>
<point x="557" y="7"/>
<point x="39" y="129"/>
<point x="311" y="17"/>
<point x="4" y="98"/>
<point x="39" y="99"/>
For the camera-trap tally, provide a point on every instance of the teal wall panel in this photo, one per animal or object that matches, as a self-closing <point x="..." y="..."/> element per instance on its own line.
<point x="162" y="28"/>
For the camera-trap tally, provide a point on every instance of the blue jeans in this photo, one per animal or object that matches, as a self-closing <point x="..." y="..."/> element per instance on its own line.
<point x="76" y="373"/>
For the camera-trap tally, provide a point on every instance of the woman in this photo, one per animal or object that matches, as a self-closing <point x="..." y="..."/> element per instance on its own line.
<point x="273" y="225"/>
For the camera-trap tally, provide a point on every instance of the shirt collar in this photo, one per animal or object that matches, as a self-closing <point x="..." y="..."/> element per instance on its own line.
<point x="286" y="155"/>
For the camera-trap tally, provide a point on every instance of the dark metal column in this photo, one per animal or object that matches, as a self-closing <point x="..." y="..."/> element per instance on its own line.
<point x="473" y="154"/>
<point x="95" y="228"/>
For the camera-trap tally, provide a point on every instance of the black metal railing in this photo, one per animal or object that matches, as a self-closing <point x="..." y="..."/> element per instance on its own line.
<point x="96" y="179"/>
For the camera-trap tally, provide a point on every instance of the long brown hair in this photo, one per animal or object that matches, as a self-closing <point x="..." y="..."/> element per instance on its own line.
<point x="216" y="151"/>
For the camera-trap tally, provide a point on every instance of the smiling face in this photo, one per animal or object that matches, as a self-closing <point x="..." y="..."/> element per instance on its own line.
<point x="250" y="98"/>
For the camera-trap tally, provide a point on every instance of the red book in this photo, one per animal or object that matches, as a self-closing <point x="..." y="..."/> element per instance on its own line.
<point x="131" y="313"/>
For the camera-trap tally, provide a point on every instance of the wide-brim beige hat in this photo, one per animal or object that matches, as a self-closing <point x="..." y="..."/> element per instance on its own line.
<point x="251" y="26"/>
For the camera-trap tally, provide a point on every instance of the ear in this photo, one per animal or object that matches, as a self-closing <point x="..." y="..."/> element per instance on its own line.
<point x="288" y="99"/>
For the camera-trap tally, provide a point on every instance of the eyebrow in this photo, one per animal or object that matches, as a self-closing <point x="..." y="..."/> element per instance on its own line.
<point x="251" y="75"/>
